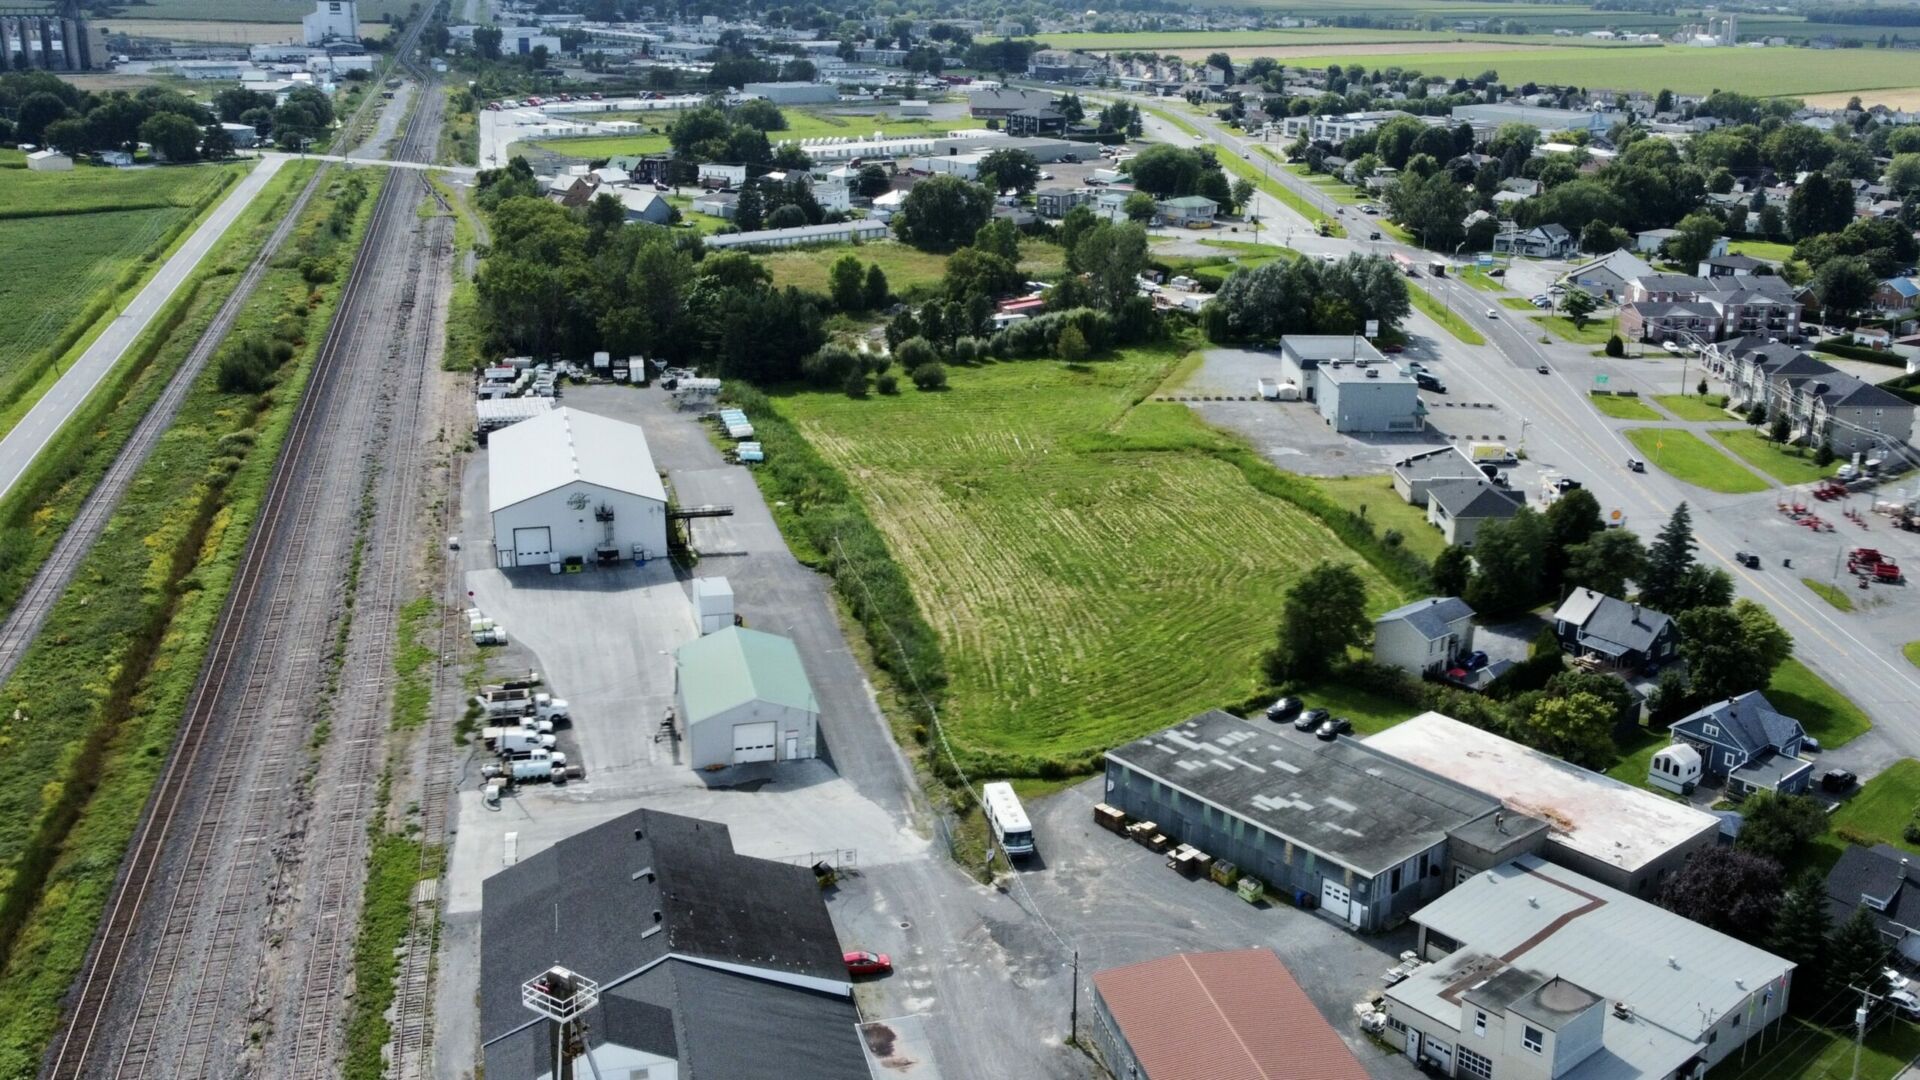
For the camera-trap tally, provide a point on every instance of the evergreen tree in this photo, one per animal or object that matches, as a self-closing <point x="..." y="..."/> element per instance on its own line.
<point x="1451" y="569"/>
<point x="877" y="292"/>
<point x="1800" y="930"/>
<point x="1668" y="560"/>
<point x="1856" y="951"/>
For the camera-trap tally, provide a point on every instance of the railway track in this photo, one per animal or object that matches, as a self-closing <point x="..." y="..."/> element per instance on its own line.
<point x="185" y="940"/>
<point x="30" y="613"/>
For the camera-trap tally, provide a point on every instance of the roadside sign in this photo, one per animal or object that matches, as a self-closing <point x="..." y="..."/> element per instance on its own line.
<point x="1599" y="380"/>
<point x="1484" y="260"/>
<point x="1373" y="328"/>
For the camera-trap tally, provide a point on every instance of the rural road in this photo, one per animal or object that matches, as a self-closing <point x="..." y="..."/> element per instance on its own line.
<point x="51" y="413"/>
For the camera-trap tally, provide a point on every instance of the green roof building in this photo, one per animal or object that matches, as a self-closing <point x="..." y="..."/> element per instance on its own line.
<point x="742" y="696"/>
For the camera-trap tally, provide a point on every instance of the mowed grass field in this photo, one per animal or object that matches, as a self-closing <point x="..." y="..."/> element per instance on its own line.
<point x="1092" y="570"/>
<point x="52" y="265"/>
<point x="906" y="268"/>
<point x="1772" y="72"/>
<point x="1689" y="458"/>
<point x="800" y="125"/>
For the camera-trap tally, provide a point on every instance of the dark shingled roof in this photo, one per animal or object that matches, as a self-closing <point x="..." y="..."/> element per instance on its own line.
<point x="1431" y="616"/>
<point x="1749" y="720"/>
<point x="611" y="900"/>
<point x="1877" y="872"/>
<point x="1605" y="621"/>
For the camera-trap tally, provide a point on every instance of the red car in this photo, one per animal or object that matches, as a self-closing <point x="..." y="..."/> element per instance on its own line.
<point x="868" y="963"/>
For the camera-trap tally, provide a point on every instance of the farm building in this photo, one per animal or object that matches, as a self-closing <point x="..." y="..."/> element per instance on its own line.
<point x="1363" y="835"/>
<point x="1243" y="1006"/>
<point x="1617" y="834"/>
<point x="710" y="965"/>
<point x="49" y="161"/>
<point x="570" y="484"/>
<point x="743" y="696"/>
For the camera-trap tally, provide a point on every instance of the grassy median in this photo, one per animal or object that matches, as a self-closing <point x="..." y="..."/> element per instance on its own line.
<point x="1689" y="458"/>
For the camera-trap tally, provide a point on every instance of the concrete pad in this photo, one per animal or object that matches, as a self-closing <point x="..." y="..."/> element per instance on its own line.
<point x="899" y="1046"/>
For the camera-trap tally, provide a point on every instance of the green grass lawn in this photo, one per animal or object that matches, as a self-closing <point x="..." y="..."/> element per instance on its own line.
<point x="1693" y="406"/>
<point x="1594" y="333"/>
<point x="704" y="224"/>
<point x="1374" y="495"/>
<point x="1453" y="322"/>
<point x="1094" y="568"/>
<point x="1691" y="459"/>
<point x="1331" y="186"/>
<point x="1806" y="1051"/>
<point x="800" y="125"/>
<point x="1878" y="813"/>
<point x="1370" y="712"/>
<point x="1478" y="278"/>
<point x="1761" y="249"/>
<point x="1517" y="303"/>
<point x="1623" y="408"/>
<point x="1912" y="652"/>
<point x="1789" y="465"/>
<point x="906" y="268"/>
<point x="1636" y="755"/>
<point x="1832" y="594"/>
<point x="1824" y="711"/>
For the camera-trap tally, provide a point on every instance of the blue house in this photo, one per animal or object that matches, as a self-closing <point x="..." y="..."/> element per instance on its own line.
<point x="1748" y="744"/>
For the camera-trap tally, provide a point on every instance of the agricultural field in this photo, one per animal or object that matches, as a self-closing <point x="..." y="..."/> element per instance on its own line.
<point x="906" y="268"/>
<point x="1093" y="568"/>
<point x="67" y="238"/>
<point x="1776" y="72"/>
<point x="800" y="125"/>
<point x="1690" y="459"/>
<point x="226" y="30"/>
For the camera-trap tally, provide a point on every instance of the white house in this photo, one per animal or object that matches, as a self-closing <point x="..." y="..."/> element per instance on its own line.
<point x="570" y="484"/>
<point x="742" y="696"/>
<point x="725" y="175"/>
<point x="1426" y="635"/>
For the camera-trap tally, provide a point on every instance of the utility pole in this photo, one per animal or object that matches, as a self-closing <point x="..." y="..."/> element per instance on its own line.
<point x="1867" y="997"/>
<point x="1073" y="1021"/>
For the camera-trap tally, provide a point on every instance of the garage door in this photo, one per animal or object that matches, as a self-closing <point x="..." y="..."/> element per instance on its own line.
<point x="1336" y="898"/>
<point x="752" y="742"/>
<point x="532" y="547"/>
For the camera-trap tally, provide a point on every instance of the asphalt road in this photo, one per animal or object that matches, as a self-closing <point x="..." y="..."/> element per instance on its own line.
<point x="1563" y="432"/>
<point x="51" y="412"/>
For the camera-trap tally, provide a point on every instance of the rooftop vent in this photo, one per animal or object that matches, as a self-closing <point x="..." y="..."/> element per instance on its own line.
<point x="1673" y="962"/>
<point x="1533" y="901"/>
<point x="1622" y="1010"/>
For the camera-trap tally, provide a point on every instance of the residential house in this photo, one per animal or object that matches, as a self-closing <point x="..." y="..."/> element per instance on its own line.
<point x="1607" y="277"/>
<point x="1896" y="294"/>
<point x="1541" y="242"/>
<point x="1669" y="320"/>
<point x="1539" y="972"/>
<point x="1033" y="123"/>
<point x="1412" y="476"/>
<point x="713" y="174"/>
<point x="1425" y="636"/>
<point x="1058" y="65"/>
<point x="1748" y="744"/>
<point x="1243" y="1006"/>
<point x="1649" y="241"/>
<point x="709" y="964"/>
<point x="1707" y="308"/>
<point x="574" y="190"/>
<point x="1824" y="405"/>
<point x="1461" y="508"/>
<point x="1720" y="264"/>
<point x="1188" y="211"/>
<point x="1886" y="881"/>
<point x="1055" y="202"/>
<point x="1613" y="632"/>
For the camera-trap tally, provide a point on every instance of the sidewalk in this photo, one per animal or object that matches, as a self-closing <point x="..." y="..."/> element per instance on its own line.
<point x="52" y="411"/>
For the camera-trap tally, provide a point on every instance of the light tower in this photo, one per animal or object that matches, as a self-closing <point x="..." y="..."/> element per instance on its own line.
<point x="563" y="998"/>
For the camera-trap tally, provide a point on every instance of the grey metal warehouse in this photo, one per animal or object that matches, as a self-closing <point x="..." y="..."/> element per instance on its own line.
<point x="1366" y="835"/>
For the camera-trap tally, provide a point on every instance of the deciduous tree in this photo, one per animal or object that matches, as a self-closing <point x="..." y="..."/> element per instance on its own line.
<point x="1734" y="892"/>
<point x="1322" y="614"/>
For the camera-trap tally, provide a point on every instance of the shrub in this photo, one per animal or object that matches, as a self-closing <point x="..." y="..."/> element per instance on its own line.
<point x="1072" y="345"/>
<point x="915" y="353"/>
<point x="1823" y="456"/>
<point x="1616" y="347"/>
<point x="856" y="383"/>
<point x="247" y="366"/>
<point x="931" y="375"/>
<point x="833" y="365"/>
<point x="887" y="383"/>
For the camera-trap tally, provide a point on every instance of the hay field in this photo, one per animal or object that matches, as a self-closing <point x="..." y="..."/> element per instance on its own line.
<point x="1093" y="569"/>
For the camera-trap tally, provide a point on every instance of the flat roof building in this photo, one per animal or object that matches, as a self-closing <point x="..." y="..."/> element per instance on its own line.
<point x="1656" y="992"/>
<point x="1368" y="398"/>
<point x="1360" y="832"/>
<point x="1617" y="834"/>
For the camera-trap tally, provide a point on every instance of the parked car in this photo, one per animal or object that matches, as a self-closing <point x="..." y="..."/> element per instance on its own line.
<point x="1374" y="235"/>
<point x="1747" y="559"/>
<point x="1498" y="271"/>
<point x="1895" y="980"/>
<point x="1542" y="369"/>
<point x="1285" y="709"/>
<point x="1476" y="660"/>
<point x="1837" y="780"/>
<point x="1810" y="744"/>
<point x="1905" y="1004"/>
<point x="1334" y="728"/>
<point x="1566" y="484"/>
<point x="868" y="963"/>
<point x="1670" y="347"/>
<point x="1636" y="465"/>
<point x="1311" y="720"/>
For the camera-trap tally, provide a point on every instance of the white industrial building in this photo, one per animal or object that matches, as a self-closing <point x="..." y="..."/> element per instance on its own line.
<point x="1368" y="397"/>
<point x="570" y="484"/>
<point x="331" y="20"/>
<point x="742" y="696"/>
<point x="793" y="93"/>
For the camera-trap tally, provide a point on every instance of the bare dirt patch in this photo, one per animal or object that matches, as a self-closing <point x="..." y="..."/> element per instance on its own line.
<point x="1909" y="98"/>
<point x="1375" y="48"/>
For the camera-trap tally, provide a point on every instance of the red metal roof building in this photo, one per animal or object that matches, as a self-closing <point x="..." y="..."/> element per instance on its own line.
<point x="1235" y="1015"/>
